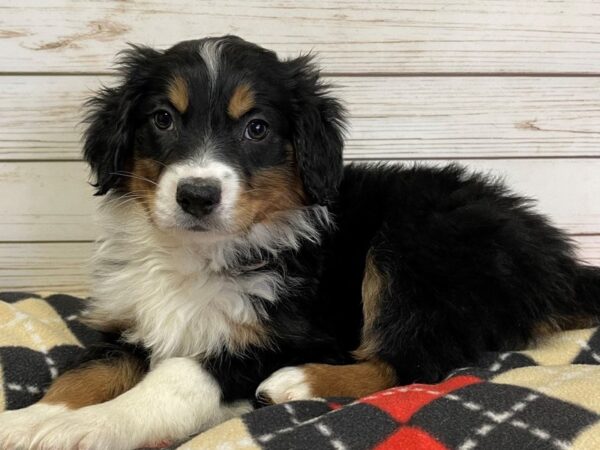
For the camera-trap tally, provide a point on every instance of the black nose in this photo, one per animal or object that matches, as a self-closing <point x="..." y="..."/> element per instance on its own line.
<point x="198" y="196"/>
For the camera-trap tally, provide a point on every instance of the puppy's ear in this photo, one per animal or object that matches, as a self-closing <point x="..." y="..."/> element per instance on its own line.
<point x="318" y="131"/>
<point x="109" y="135"/>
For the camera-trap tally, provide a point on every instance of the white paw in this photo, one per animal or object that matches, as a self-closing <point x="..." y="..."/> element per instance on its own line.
<point x="285" y="385"/>
<point x="90" y="428"/>
<point x="18" y="427"/>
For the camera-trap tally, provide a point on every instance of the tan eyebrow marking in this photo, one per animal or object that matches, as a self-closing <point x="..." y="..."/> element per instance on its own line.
<point x="241" y="101"/>
<point x="178" y="94"/>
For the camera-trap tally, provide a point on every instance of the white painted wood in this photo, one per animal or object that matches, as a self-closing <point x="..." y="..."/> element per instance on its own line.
<point x="589" y="248"/>
<point x="508" y="124"/>
<point x="40" y="116"/>
<point x="391" y="117"/>
<point x="45" y="202"/>
<point x="64" y="267"/>
<point x="567" y="190"/>
<point x="45" y="267"/>
<point x="375" y="36"/>
<point x="51" y="201"/>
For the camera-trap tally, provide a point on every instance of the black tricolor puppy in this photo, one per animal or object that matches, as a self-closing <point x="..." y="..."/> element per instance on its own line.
<point x="240" y="257"/>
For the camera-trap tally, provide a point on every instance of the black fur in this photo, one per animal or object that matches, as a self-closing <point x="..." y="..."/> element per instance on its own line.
<point x="317" y="131"/>
<point x="310" y="119"/>
<point x="111" y="118"/>
<point x="469" y="266"/>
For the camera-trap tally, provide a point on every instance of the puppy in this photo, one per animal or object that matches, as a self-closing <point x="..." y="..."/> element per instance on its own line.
<point x="240" y="257"/>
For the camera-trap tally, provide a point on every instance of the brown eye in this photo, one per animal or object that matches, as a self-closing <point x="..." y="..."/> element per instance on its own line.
<point x="163" y="120"/>
<point x="256" y="130"/>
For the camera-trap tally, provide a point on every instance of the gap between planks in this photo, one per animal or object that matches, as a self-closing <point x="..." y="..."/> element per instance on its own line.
<point x="351" y="74"/>
<point x="374" y="159"/>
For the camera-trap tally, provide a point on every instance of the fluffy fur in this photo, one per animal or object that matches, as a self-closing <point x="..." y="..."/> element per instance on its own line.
<point x="281" y="270"/>
<point x="194" y="289"/>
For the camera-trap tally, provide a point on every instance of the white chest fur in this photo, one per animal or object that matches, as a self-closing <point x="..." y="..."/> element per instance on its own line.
<point x="184" y="294"/>
<point x="175" y="296"/>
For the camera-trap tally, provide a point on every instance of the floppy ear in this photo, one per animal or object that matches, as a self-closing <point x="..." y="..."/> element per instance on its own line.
<point x="318" y="131"/>
<point x="108" y="137"/>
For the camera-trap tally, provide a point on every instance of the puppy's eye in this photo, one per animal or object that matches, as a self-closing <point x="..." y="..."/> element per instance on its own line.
<point x="256" y="130"/>
<point x="163" y="120"/>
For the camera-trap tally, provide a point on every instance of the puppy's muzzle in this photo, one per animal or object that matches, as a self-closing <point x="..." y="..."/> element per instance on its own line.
<point x="198" y="196"/>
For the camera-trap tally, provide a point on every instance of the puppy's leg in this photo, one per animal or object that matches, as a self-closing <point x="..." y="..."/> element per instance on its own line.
<point x="326" y="380"/>
<point x="175" y="399"/>
<point x="370" y="374"/>
<point x="93" y="382"/>
<point x="407" y="336"/>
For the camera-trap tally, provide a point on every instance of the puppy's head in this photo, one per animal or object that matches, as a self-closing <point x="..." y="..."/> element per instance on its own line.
<point x="216" y="135"/>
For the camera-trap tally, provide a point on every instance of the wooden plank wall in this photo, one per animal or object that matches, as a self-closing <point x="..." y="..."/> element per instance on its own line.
<point x="506" y="86"/>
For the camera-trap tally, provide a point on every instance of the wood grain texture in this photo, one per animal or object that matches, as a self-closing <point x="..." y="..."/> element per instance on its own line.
<point x="379" y="36"/>
<point x="589" y="248"/>
<point x="64" y="267"/>
<point x="40" y="116"/>
<point x="390" y="117"/>
<point x="46" y="202"/>
<point x="45" y="267"/>
<point x="422" y="80"/>
<point x="51" y="201"/>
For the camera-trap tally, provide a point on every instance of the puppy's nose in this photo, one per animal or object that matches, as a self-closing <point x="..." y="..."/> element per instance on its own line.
<point x="198" y="196"/>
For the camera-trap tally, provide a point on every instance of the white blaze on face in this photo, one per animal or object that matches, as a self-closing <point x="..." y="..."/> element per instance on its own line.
<point x="167" y="213"/>
<point x="210" y="51"/>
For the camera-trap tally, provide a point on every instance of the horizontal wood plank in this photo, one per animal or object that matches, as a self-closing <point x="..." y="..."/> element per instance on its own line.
<point x="45" y="267"/>
<point x="390" y="117"/>
<point x="64" y="267"/>
<point x="46" y="202"/>
<point x="52" y="201"/>
<point x="380" y="36"/>
<point x="589" y="248"/>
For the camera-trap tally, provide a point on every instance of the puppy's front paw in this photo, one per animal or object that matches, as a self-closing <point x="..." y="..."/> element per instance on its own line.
<point x="18" y="427"/>
<point x="90" y="428"/>
<point x="287" y="384"/>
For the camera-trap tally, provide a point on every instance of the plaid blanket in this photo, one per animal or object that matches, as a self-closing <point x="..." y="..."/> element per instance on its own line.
<point x="547" y="397"/>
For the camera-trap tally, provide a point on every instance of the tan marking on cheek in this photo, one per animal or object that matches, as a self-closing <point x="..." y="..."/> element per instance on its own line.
<point x="352" y="380"/>
<point x="373" y="287"/>
<point x="143" y="182"/>
<point x="241" y="101"/>
<point x="267" y="193"/>
<point x="178" y="94"/>
<point x="95" y="382"/>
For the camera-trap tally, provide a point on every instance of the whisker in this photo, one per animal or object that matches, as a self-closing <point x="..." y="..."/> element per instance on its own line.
<point x="133" y="175"/>
<point x="127" y="200"/>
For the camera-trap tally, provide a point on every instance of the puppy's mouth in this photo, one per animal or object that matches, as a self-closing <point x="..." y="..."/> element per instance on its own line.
<point x="211" y="223"/>
<point x="204" y="225"/>
<point x="199" y="228"/>
<point x="174" y="219"/>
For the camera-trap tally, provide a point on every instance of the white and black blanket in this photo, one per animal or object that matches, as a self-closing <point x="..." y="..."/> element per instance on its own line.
<point x="545" y="398"/>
